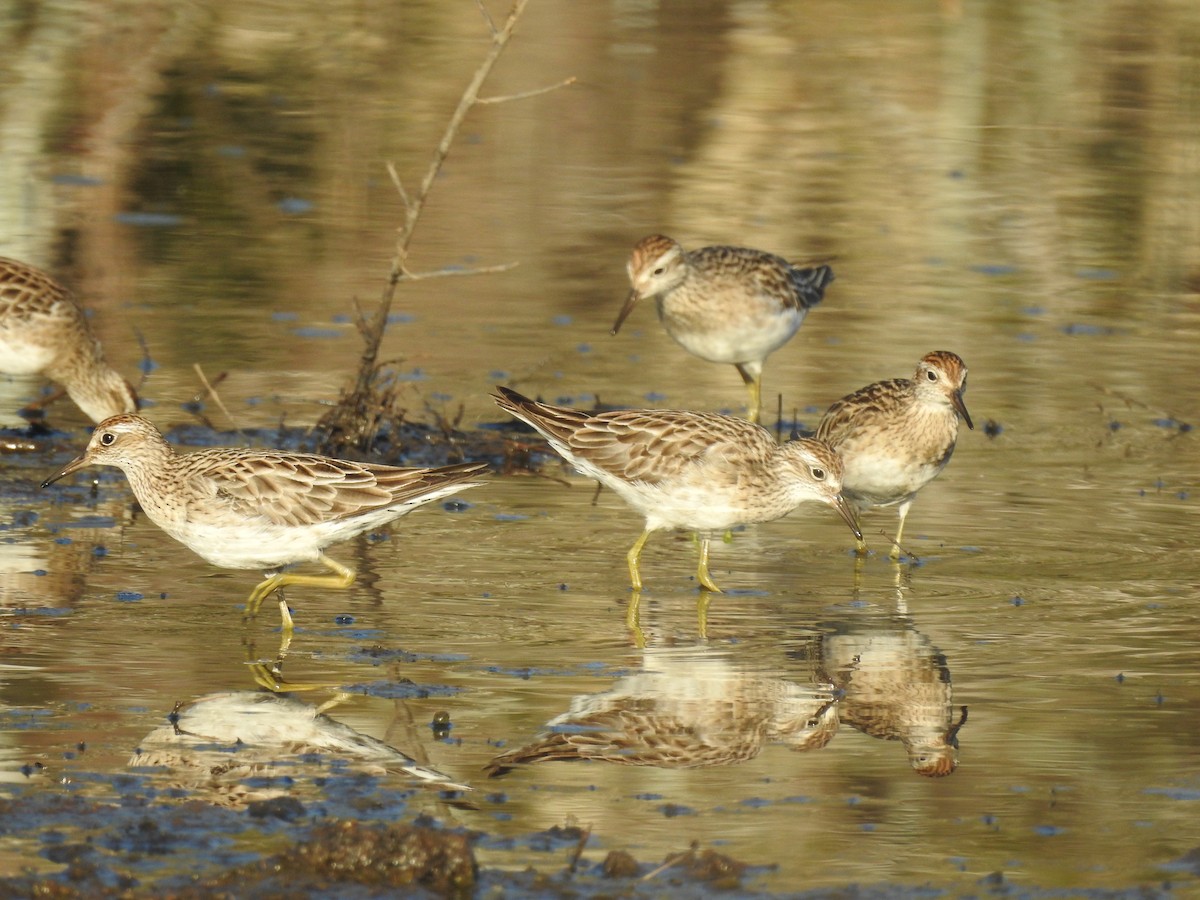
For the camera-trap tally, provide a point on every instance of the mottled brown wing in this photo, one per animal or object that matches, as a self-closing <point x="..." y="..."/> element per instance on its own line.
<point x="773" y="275"/>
<point x="299" y="489"/>
<point x="845" y="415"/>
<point x="25" y="290"/>
<point x="649" y="445"/>
<point x="659" y="445"/>
<point x="637" y="738"/>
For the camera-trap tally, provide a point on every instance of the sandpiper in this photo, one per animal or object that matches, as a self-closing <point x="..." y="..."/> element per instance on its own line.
<point x="44" y="331"/>
<point x="263" y="509"/>
<point x="896" y="436"/>
<point x="696" y="471"/>
<point x="724" y="304"/>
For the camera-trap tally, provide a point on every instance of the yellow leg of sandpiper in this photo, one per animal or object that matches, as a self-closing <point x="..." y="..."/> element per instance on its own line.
<point x="895" y="552"/>
<point x="285" y="615"/>
<point x="633" y="558"/>
<point x="702" y="615"/>
<point x="633" y="621"/>
<point x="702" y="575"/>
<point x="859" y="565"/>
<point x="342" y="578"/>
<point x="271" y="677"/>
<point x="753" y="381"/>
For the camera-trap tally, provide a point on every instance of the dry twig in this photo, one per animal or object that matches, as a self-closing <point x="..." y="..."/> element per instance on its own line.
<point x="212" y="392"/>
<point x="348" y="423"/>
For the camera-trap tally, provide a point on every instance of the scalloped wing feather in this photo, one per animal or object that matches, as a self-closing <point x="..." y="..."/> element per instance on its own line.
<point x="653" y="446"/>
<point x="877" y="400"/>
<point x="641" y="739"/>
<point x="294" y="489"/>
<point x="734" y="268"/>
<point x="27" y="292"/>
<point x="643" y="445"/>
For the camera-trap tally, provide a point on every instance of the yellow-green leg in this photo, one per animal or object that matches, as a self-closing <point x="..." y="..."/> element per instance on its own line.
<point x="702" y="575"/>
<point x="752" y="375"/>
<point x="633" y="557"/>
<point x="270" y="676"/>
<point x="342" y="578"/>
<point x="633" y="621"/>
<point x="895" y="552"/>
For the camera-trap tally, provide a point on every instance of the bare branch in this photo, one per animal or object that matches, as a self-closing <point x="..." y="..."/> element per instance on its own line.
<point x="583" y="839"/>
<point x="450" y="273"/>
<point x="413" y="209"/>
<point x="391" y="167"/>
<point x="487" y="17"/>
<point x="525" y="95"/>
<point x="499" y="42"/>
<point x="673" y="860"/>
<point x="212" y="392"/>
<point x="345" y="422"/>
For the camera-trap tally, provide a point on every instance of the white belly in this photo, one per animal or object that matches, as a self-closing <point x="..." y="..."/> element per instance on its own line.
<point x="20" y="357"/>
<point x="884" y="480"/>
<point x="248" y="546"/>
<point x="741" y="341"/>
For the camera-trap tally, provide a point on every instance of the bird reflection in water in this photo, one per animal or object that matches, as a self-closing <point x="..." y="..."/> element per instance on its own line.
<point x="894" y="685"/>
<point x="688" y="707"/>
<point x="217" y="743"/>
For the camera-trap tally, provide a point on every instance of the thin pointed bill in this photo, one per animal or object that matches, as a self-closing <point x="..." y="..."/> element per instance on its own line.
<point x="73" y="466"/>
<point x="961" y="408"/>
<point x="630" y="303"/>
<point x="843" y="509"/>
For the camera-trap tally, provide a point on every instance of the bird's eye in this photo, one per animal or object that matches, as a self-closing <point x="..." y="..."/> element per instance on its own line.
<point x="659" y="270"/>
<point x="931" y="375"/>
<point x="818" y="474"/>
<point x="107" y="438"/>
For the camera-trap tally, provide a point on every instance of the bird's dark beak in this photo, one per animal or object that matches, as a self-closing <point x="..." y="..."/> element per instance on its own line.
<point x="951" y="736"/>
<point x="630" y="303"/>
<point x="961" y="408"/>
<point x="843" y="509"/>
<point x="73" y="466"/>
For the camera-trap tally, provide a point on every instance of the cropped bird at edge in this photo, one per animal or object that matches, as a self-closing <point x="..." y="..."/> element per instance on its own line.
<point x="724" y="304"/>
<point x="44" y="331"/>
<point x="263" y="509"/>
<point x="896" y="436"/>
<point x="700" y="472"/>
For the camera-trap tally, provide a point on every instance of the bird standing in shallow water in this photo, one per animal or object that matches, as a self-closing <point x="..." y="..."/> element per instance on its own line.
<point x="263" y="509"/>
<point x="43" y="331"/>
<point x="696" y="471"/>
<point x="896" y="436"/>
<point x="724" y="304"/>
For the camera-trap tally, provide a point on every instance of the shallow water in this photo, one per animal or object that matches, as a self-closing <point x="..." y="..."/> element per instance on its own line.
<point x="1017" y="183"/>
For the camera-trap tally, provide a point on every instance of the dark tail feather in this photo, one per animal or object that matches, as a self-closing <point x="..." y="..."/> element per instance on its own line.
<point x="509" y="400"/>
<point x="552" y="421"/>
<point x="810" y="284"/>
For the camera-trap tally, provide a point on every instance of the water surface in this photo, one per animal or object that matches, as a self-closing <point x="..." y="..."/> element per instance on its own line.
<point x="1017" y="183"/>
